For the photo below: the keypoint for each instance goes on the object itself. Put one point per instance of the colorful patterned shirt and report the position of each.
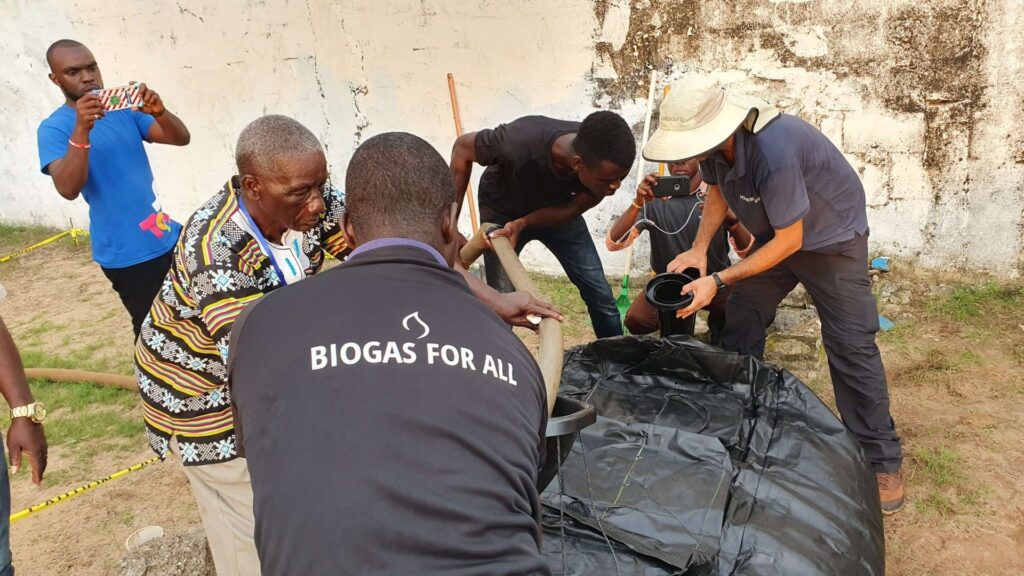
(181, 354)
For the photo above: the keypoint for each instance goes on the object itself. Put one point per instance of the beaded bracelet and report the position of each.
(77, 145)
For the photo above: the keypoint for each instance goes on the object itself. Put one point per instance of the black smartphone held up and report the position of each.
(672, 186)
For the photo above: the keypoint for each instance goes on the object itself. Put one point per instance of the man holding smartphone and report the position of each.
(806, 207)
(673, 222)
(99, 155)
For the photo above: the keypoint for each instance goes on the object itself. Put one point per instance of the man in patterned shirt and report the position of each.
(266, 228)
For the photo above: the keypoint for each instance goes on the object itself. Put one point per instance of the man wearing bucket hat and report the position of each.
(805, 206)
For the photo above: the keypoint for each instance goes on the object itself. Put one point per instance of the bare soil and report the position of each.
(956, 387)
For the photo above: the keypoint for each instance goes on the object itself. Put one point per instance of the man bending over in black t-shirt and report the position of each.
(542, 175)
(391, 421)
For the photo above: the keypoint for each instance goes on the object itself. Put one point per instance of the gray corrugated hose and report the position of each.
(551, 348)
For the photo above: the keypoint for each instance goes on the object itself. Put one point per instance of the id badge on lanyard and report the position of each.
(264, 245)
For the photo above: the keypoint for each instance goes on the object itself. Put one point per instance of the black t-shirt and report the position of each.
(519, 178)
(392, 423)
(670, 215)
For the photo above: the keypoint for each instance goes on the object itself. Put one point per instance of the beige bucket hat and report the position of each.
(699, 114)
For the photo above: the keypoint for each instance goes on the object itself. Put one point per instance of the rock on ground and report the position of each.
(183, 553)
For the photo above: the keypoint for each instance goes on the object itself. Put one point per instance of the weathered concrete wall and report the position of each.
(924, 97)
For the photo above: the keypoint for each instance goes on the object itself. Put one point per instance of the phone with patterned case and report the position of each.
(120, 98)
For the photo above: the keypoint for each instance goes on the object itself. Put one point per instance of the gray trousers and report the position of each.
(836, 278)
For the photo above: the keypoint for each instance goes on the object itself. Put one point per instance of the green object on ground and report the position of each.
(623, 302)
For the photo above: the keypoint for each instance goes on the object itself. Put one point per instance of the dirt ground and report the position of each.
(957, 393)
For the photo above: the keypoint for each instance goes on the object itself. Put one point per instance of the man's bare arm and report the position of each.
(463, 157)
(24, 436)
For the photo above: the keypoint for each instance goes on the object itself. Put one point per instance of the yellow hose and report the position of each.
(549, 358)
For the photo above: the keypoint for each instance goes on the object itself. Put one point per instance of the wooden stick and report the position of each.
(662, 167)
(640, 169)
(458, 132)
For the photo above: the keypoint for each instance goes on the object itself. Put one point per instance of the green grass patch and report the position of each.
(37, 340)
(940, 466)
(970, 301)
(85, 421)
(900, 336)
(37, 330)
(942, 486)
(972, 499)
(91, 357)
(79, 413)
(935, 504)
(971, 358)
(935, 363)
(14, 238)
(566, 297)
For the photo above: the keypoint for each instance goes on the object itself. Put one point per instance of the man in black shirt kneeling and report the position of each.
(391, 421)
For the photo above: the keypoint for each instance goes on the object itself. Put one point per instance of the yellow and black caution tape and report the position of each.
(68, 495)
(74, 233)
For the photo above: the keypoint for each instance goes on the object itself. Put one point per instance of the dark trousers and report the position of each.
(574, 248)
(836, 277)
(138, 285)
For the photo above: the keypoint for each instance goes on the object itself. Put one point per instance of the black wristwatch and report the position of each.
(718, 281)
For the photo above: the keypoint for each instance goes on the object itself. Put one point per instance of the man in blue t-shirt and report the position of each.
(99, 155)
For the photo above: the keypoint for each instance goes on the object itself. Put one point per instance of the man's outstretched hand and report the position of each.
(27, 437)
(515, 308)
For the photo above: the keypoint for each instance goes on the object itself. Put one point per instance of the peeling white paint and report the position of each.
(616, 23)
(805, 41)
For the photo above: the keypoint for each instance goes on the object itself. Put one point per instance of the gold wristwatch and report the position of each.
(35, 412)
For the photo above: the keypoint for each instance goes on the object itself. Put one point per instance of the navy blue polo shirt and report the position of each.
(788, 171)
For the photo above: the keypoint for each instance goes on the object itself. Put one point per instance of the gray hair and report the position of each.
(270, 137)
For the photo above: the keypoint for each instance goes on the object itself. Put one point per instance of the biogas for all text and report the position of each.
(428, 353)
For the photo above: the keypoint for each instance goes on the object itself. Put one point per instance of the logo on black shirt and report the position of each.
(416, 316)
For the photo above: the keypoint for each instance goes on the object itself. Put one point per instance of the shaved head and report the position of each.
(62, 43)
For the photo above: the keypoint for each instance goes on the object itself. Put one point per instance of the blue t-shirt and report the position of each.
(125, 219)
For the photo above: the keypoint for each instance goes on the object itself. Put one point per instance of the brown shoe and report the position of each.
(890, 491)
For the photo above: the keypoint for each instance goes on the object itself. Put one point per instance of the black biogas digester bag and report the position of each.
(706, 462)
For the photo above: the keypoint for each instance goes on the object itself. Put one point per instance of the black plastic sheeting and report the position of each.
(706, 462)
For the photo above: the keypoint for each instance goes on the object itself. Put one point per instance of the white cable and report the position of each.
(654, 224)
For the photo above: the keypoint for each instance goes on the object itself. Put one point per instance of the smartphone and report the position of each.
(672, 186)
(120, 97)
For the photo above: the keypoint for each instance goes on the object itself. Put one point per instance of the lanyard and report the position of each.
(259, 237)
